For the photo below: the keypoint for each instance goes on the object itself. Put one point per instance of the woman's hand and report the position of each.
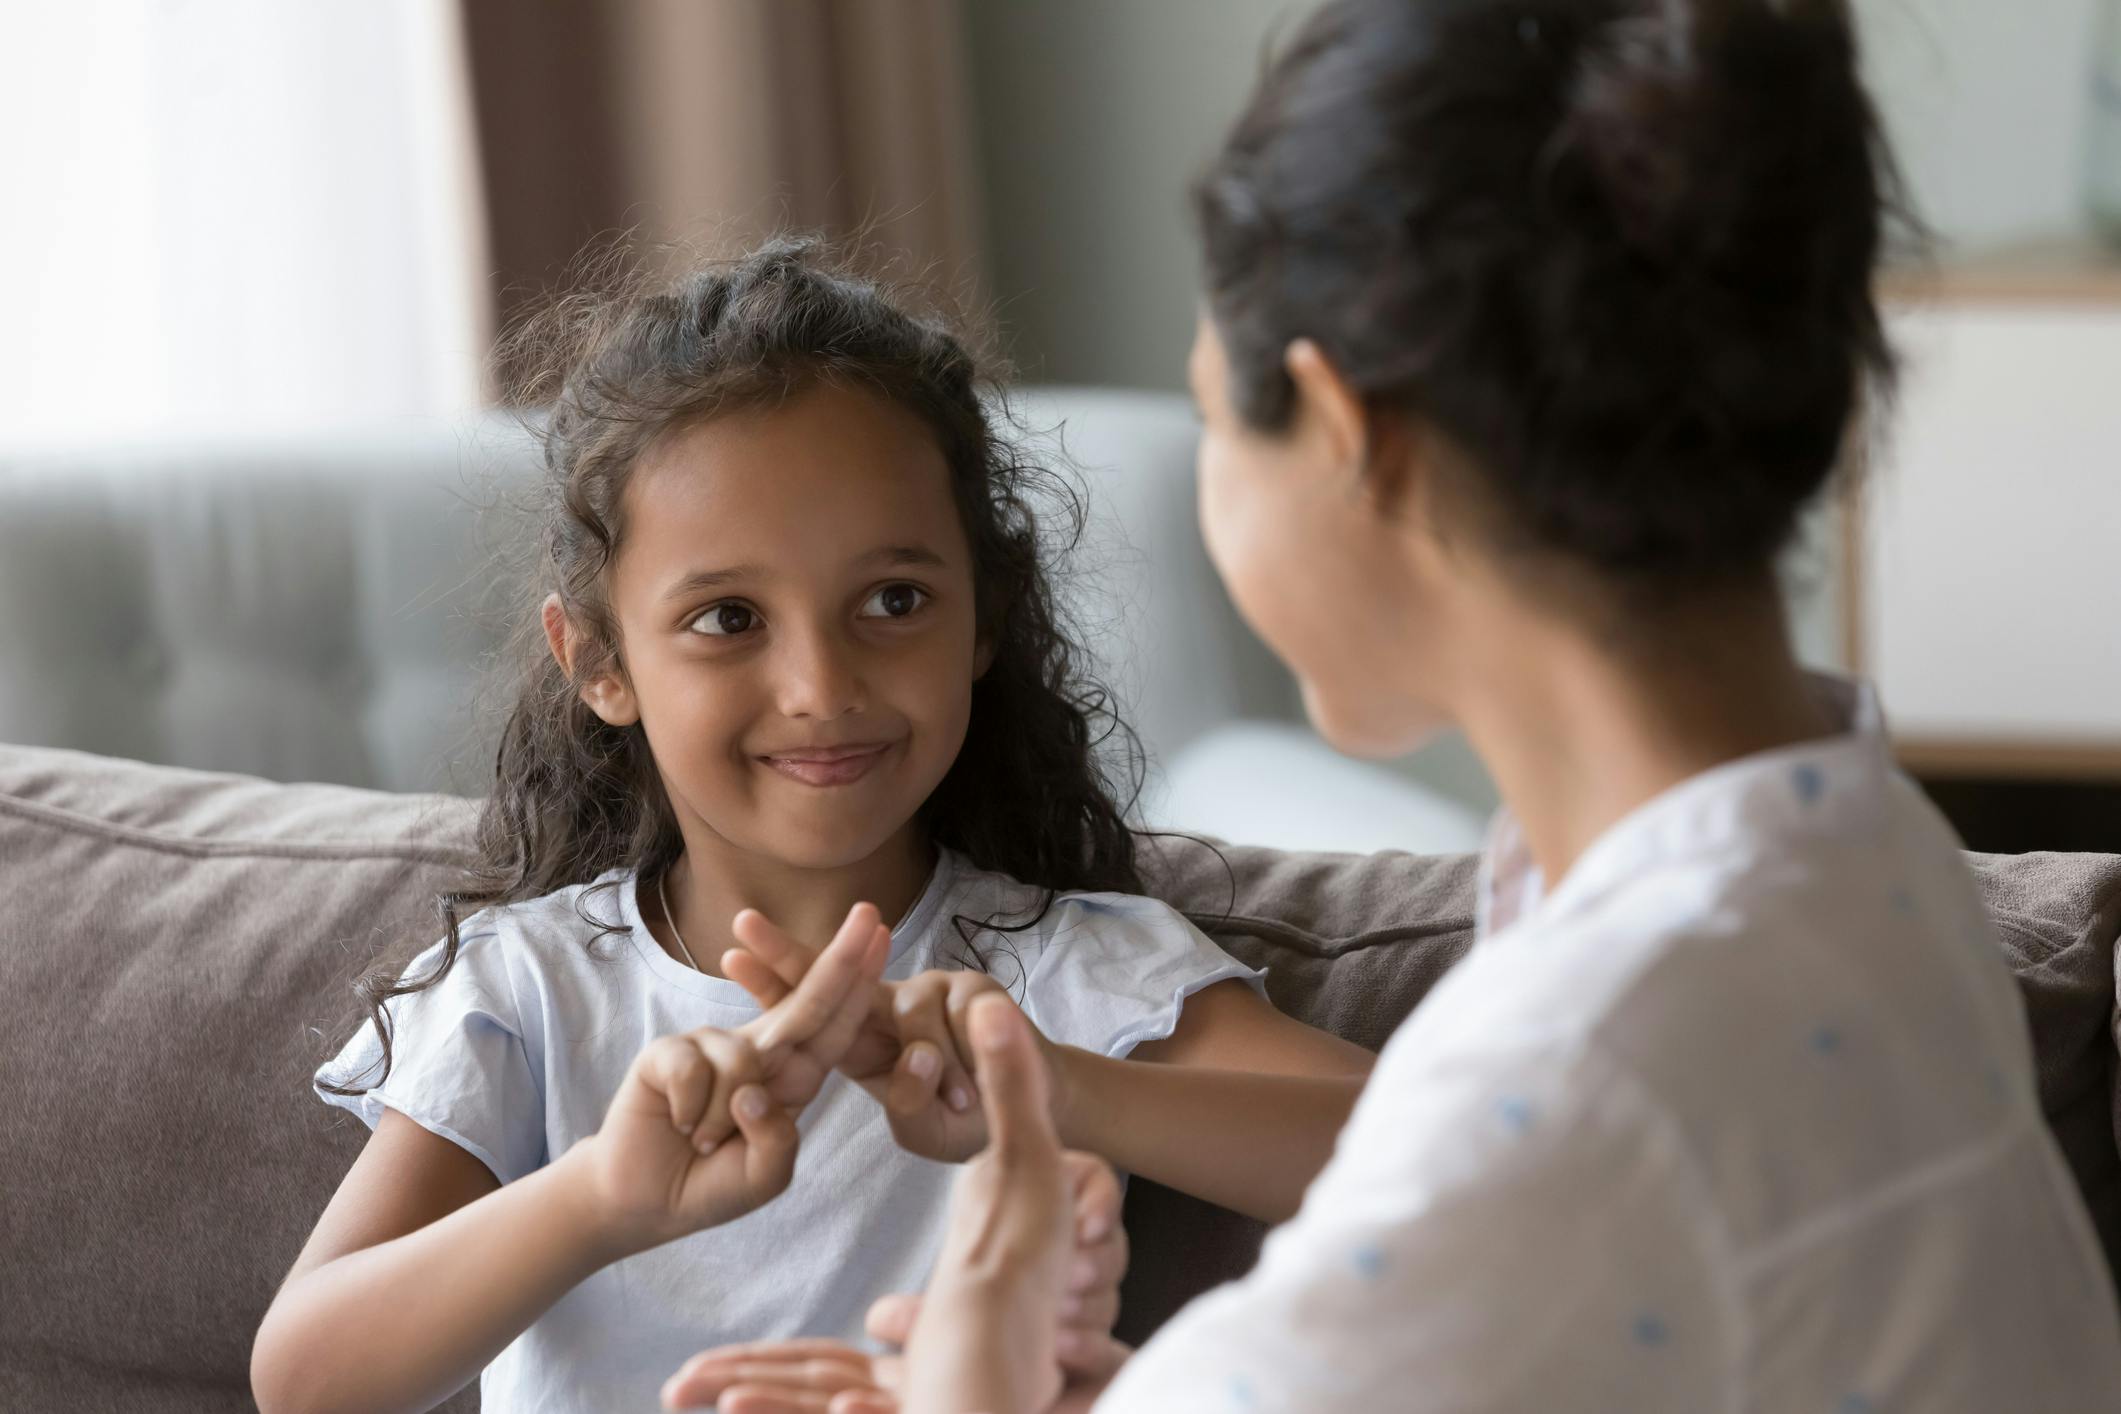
(702, 1129)
(985, 1335)
(914, 1054)
(785, 1376)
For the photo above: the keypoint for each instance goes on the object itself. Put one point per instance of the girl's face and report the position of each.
(1342, 592)
(794, 597)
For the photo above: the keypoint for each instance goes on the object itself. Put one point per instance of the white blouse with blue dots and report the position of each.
(1740, 1117)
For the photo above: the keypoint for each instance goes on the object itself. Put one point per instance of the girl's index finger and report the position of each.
(743, 967)
(851, 960)
(765, 940)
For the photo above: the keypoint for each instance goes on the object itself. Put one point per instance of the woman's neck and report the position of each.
(1579, 730)
(713, 881)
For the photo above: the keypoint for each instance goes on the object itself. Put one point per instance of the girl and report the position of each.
(1531, 327)
(800, 660)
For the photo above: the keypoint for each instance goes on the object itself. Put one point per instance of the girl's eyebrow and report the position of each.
(907, 555)
(897, 556)
(711, 579)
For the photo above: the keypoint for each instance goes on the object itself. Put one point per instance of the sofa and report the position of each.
(176, 954)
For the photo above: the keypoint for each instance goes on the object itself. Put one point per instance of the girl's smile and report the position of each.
(826, 766)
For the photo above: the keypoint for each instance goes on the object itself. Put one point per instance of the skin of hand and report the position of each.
(702, 1129)
(984, 1336)
(913, 1055)
(785, 1377)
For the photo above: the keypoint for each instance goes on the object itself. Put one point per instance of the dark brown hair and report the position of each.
(1619, 252)
(1039, 790)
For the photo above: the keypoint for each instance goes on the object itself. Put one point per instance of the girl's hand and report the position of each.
(914, 1054)
(781, 1376)
(702, 1129)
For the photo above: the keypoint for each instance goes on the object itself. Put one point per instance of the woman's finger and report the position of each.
(891, 1318)
(1093, 1311)
(1089, 1356)
(769, 1384)
(772, 1399)
(816, 1364)
(863, 1402)
(1012, 1085)
(1098, 1196)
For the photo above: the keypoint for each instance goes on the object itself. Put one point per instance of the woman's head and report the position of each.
(1578, 290)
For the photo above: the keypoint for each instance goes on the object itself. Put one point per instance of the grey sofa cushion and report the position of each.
(175, 955)
(170, 942)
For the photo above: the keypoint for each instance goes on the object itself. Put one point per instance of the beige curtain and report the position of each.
(714, 122)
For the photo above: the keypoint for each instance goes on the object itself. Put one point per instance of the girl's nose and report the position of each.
(819, 677)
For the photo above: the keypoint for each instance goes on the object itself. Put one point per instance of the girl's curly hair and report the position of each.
(1041, 787)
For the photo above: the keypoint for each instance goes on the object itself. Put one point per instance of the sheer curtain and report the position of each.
(240, 217)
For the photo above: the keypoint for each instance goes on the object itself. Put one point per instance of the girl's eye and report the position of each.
(894, 601)
(725, 620)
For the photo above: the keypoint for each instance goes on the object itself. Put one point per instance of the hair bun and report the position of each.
(1697, 119)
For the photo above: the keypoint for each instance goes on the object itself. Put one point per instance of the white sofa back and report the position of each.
(327, 611)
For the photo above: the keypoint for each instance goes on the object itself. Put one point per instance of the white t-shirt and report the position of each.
(1741, 1118)
(516, 1053)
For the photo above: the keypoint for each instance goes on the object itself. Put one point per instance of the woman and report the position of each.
(1530, 331)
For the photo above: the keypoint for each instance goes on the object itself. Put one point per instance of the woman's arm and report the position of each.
(1240, 1105)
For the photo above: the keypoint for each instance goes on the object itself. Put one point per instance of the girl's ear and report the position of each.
(982, 658)
(609, 695)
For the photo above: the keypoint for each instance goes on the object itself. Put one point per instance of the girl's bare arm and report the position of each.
(420, 1271)
(1240, 1105)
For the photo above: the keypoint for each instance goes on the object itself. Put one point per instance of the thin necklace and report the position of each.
(672, 919)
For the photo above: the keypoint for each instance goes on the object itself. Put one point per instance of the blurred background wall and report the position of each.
(1093, 114)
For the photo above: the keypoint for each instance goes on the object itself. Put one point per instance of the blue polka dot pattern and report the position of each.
(1809, 782)
(1515, 1112)
(1370, 1262)
(1826, 1041)
(1651, 1331)
(1855, 1404)
(1242, 1395)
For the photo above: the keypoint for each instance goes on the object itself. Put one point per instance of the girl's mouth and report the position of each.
(828, 765)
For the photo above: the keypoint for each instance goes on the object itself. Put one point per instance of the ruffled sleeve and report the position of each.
(459, 1065)
(1114, 970)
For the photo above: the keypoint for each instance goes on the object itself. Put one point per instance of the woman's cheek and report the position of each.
(1236, 523)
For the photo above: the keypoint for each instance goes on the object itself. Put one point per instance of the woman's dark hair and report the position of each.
(1618, 252)
(1038, 791)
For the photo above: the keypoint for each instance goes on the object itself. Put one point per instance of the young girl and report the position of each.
(800, 660)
